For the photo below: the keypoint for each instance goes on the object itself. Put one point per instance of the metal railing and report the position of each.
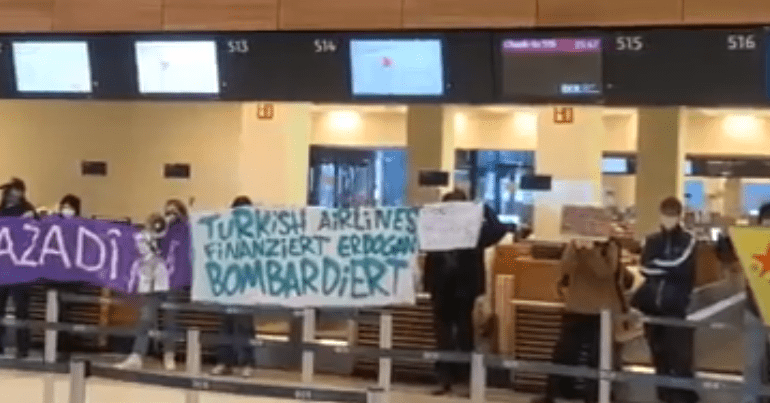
(194, 381)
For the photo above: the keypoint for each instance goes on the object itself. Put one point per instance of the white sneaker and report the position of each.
(169, 361)
(247, 372)
(133, 362)
(220, 369)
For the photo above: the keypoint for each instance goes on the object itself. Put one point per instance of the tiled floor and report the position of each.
(25, 387)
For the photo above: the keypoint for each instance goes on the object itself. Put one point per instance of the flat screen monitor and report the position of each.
(52, 67)
(397, 67)
(177, 67)
(615, 165)
(552, 67)
(535, 182)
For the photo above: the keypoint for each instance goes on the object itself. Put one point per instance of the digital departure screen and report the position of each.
(177, 67)
(685, 67)
(52, 67)
(400, 67)
(551, 67)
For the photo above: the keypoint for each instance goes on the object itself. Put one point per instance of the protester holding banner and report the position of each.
(239, 328)
(455, 280)
(668, 264)
(150, 278)
(69, 207)
(594, 279)
(14, 204)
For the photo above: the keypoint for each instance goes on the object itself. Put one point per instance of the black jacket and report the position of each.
(668, 258)
(461, 273)
(18, 210)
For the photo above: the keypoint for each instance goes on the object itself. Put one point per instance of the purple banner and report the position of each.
(562, 45)
(79, 250)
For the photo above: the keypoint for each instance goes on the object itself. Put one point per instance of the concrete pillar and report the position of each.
(274, 154)
(660, 164)
(430, 146)
(733, 198)
(572, 154)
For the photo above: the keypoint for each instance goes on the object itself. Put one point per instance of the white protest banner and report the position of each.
(305, 257)
(451, 225)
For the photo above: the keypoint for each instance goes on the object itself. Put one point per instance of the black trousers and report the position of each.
(578, 345)
(453, 319)
(21, 298)
(672, 355)
(238, 352)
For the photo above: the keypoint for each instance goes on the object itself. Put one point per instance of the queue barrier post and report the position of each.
(193, 362)
(754, 346)
(386, 343)
(49, 343)
(478, 378)
(77, 382)
(308, 336)
(375, 395)
(605, 356)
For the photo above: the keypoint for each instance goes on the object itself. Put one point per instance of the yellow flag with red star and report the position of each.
(752, 245)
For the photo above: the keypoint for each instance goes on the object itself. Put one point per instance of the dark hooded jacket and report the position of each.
(462, 272)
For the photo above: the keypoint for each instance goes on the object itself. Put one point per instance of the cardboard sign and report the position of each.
(586, 221)
(452, 225)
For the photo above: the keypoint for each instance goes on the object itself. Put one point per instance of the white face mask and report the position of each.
(669, 222)
(67, 213)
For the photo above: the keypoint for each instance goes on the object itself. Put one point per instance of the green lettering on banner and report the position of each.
(355, 280)
(214, 272)
(208, 221)
(330, 266)
(310, 274)
(291, 283)
(254, 277)
(244, 221)
(274, 277)
(232, 282)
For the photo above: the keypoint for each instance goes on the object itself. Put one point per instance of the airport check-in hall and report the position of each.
(519, 215)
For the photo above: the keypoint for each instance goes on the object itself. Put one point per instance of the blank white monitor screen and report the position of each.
(406, 67)
(52, 67)
(178, 67)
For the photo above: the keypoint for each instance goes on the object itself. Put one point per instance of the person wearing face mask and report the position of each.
(69, 207)
(169, 246)
(150, 278)
(240, 327)
(595, 279)
(456, 279)
(14, 204)
(668, 264)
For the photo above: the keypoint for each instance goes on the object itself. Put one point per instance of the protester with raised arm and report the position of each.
(455, 280)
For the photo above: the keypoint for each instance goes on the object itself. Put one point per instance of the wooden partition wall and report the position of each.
(151, 15)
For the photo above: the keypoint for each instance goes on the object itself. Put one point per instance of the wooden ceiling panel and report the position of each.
(221, 14)
(340, 14)
(107, 15)
(609, 12)
(469, 14)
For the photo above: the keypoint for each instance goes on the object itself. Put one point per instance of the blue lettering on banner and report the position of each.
(317, 256)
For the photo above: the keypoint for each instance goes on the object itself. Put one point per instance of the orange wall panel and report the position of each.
(468, 14)
(107, 15)
(221, 14)
(26, 15)
(340, 14)
(609, 12)
(723, 11)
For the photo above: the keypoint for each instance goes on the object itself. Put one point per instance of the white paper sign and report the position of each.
(451, 225)
(305, 257)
